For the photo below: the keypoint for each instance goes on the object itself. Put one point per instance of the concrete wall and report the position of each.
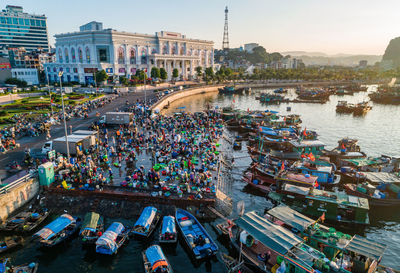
(182, 94)
(17, 197)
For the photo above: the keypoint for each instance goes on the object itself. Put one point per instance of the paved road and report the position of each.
(35, 143)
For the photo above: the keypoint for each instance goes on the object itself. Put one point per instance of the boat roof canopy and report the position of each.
(146, 218)
(91, 221)
(108, 239)
(362, 162)
(291, 217)
(381, 177)
(55, 227)
(307, 143)
(168, 225)
(366, 247)
(273, 236)
(156, 257)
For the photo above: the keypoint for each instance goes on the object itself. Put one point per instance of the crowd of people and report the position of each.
(178, 155)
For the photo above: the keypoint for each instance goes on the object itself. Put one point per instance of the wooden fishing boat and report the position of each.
(6, 267)
(10, 244)
(168, 230)
(25, 222)
(92, 228)
(257, 182)
(361, 108)
(380, 196)
(230, 90)
(337, 207)
(345, 107)
(155, 261)
(327, 239)
(147, 222)
(199, 242)
(325, 171)
(33, 221)
(237, 145)
(112, 239)
(269, 247)
(58, 231)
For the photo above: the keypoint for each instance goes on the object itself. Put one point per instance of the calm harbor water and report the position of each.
(378, 133)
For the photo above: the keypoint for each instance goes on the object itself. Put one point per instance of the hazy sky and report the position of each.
(338, 26)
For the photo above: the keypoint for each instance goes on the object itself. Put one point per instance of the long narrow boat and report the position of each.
(196, 237)
(155, 261)
(25, 222)
(11, 244)
(58, 231)
(254, 236)
(168, 230)
(6, 267)
(337, 207)
(147, 222)
(92, 228)
(114, 237)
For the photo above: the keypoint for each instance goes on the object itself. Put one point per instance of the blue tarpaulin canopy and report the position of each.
(146, 218)
(154, 254)
(55, 227)
(168, 225)
(272, 236)
(108, 239)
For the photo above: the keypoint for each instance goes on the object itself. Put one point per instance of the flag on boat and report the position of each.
(322, 217)
(305, 132)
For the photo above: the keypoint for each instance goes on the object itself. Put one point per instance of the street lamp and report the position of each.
(48, 88)
(63, 108)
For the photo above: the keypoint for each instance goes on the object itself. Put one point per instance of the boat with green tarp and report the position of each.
(92, 228)
(337, 207)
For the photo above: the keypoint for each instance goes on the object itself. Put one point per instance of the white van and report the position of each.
(47, 147)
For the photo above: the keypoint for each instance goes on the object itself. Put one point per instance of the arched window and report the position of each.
(189, 52)
(66, 55)
(173, 50)
(154, 51)
(80, 55)
(73, 57)
(165, 49)
(182, 51)
(132, 56)
(196, 52)
(144, 56)
(87, 52)
(121, 55)
(60, 56)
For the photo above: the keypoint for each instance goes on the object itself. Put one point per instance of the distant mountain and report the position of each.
(392, 52)
(319, 58)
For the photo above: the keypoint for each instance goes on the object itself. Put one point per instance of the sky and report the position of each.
(332, 27)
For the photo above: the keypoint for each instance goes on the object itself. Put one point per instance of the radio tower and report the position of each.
(225, 42)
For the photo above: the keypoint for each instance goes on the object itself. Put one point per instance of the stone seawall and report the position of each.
(17, 197)
(183, 94)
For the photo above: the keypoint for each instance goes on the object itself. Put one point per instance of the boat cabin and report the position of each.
(336, 206)
(111, 240)
(316, 147)
(155, 261)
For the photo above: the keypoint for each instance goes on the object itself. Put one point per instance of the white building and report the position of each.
(30, 75)
(80, 54)
(249, 47)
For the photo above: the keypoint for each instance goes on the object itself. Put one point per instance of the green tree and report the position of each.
(123, 80)
(101, 76)
(141, 75)
(209, 73)
(163, 73)
(199, 71)
(175, 73)
(155, 73)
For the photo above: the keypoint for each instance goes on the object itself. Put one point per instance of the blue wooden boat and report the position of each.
(168, 230)
(154, 260)
(196, 237)
(24, 268)
(147, 222)
(58, 231)
(114, 237)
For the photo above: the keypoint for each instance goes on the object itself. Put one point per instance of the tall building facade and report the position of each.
(80, 54)
(20, 29)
